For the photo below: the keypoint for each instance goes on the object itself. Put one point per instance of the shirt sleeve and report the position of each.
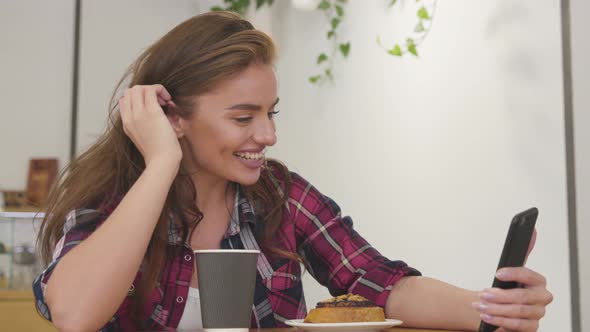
(335, 254)
(78, 226)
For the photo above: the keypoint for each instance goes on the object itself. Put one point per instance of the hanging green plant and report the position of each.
(425, 15)
(334, 11)
(240, 6)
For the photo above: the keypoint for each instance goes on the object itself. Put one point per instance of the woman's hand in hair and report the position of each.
(146, 124)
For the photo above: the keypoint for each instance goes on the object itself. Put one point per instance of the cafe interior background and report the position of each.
(431, 154)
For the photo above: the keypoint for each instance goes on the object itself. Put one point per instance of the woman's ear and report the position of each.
(176, 123)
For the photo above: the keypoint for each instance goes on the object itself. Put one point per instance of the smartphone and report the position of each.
(514, 252)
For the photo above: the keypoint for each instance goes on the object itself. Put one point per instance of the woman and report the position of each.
(182, 168)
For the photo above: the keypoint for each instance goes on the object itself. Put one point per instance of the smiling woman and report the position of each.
(230, 143)
(183, 167)
(202, 133)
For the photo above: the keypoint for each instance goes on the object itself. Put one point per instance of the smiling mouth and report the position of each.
(249, 155)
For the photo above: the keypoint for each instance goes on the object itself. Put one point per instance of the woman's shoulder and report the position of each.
(299, 189)
(286, 177)
(90, 216)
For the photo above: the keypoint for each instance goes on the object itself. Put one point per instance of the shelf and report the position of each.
(16, 295)
(22, 214)
(18, 313)
(19, 263)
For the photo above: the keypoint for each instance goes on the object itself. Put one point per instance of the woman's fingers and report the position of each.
(517, 309)
(146, 125)
(531, 244)
(162, 95)
(137, 98)
(161, 101)
(124, 103)
(162, 92)
(510, 310)
(124, 109)
(522, 275)
(512, 324)
(534, 295)
(140, 97)
(156, 95)
(151, 99)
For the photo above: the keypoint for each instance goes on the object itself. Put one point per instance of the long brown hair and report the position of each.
(189, 60)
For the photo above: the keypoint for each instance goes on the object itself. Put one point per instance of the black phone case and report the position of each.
(514, 252)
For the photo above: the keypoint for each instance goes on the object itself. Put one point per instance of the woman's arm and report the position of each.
(426, 302)
(90, 282)
(430, 303)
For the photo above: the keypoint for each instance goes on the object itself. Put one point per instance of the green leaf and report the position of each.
(423, 14)
(238, 6)
(216, 8)
(339, 10)
(345, 49)
(260, 3)
(322, 57)
(328, 73)
(335, 21)
(239, 10)
(315, 79)
(411, 46)
(412, 49)
(419, 27)
(331, 34)
(325, 4)
(392, 2)
(396, 50)
(343, 1)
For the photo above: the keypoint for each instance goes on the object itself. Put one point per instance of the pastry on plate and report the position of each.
(345, 309)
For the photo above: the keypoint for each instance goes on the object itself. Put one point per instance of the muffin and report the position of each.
(345, 309)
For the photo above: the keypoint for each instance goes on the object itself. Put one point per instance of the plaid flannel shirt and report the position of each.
(336, 256)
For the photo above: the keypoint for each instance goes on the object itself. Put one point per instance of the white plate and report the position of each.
(361, 326)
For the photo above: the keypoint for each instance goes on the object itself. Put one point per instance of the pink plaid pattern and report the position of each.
(336, 256)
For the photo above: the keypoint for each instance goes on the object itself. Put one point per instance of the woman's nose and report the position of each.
(266, 133)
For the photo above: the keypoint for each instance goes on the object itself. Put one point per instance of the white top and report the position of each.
(191, 316)
(237, 251)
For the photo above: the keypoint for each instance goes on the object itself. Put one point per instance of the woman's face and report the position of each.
(232, 126)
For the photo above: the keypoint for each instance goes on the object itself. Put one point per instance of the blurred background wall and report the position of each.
(581, 106)
(431, 156)
(36, 64)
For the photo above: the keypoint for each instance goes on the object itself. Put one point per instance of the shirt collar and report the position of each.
(243, 212)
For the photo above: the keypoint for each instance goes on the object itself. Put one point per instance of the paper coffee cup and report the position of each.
(227, 278)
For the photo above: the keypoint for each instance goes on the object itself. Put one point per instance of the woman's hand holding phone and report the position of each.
(516, 309)
(145, 123)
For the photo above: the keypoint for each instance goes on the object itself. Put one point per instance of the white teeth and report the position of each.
(250, 156)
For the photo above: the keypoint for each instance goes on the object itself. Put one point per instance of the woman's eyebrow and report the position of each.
(250, 107)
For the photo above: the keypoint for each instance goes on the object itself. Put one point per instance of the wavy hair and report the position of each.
(190, 60)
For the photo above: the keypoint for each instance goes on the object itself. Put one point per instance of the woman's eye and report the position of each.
(243, 119)
(272, 114)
